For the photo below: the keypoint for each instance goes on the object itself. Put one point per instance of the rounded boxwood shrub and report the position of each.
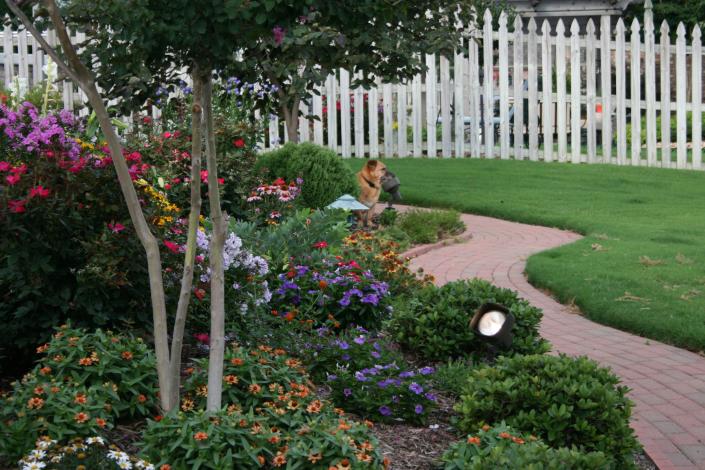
(435, 322)
(503, 447)
(325, 176)
(565, 401)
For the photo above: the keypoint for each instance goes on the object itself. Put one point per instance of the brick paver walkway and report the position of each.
(668, 383)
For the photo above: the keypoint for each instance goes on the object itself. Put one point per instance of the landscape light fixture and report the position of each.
(347, 202)
(494, 322)
(390, 184)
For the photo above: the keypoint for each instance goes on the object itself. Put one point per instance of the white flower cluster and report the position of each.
(36, 460)
(234, 256)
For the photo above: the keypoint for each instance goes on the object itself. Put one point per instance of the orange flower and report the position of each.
(127, 355)
(386, 462)
(157, 418)
(293, 405)
(368, 423)
(236, 361)
(261, 460)
(189, 370)
(58, 358)
(264, 348)
(474, 440)
(343, 426)
(289, 316)
(263, 361)
(38, 390)
(343, 465)
(80, 399)
(322, 284)
(81, 417)
(292, 363)
(85, 361)
(54, 389)
(278, 460)
(363, 457)
(100, 422)
(141, 398)
(200, 436)
(486, 427)
(339, 411)
(279, 352)
(313, 458)
(255, 389)
(114, 340)
(187, 404)
(314, 407)
(231, 379)
(273, 440)
(166, 466)
(42, 348)
(504, 435)
(518, 440)
(45, 370)
(35, 403)
(366, 446)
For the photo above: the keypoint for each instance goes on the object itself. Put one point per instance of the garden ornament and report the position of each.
(494, 322)
(390, 184)
(347, 202)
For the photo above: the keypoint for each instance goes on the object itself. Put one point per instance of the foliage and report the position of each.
(689, 12)
(503, 447)
(381, 256)
(233, 440)
(430, 226)
(294, 236)
(673, 128)
(388, 218)
(369, 378)
(334, 290)
(452, 375)
(91, 452)
(326, 177)
(67, 250)
(436, 321)
(564, 401)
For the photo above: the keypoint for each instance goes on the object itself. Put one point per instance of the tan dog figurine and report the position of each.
(370, 181)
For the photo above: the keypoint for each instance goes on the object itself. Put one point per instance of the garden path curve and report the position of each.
(668, 383)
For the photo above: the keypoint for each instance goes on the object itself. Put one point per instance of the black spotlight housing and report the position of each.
(493, 323)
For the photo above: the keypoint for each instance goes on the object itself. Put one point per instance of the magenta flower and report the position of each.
(279, 34)
(116, 227)
(39, 191)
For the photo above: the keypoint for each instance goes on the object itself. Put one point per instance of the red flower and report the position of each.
(116, 227)
(279, 182)
(204, 176)
(4, 166)
(199, 293)
(221, 180)
(12, 179)
(167, 135)
(173, 247)
(19, 170)
(147, 120)
(239, 143)
(320, 245)
(202, 338)
(40, 191)
(17, 206)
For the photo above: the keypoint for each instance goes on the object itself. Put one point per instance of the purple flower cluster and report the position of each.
(28, 132)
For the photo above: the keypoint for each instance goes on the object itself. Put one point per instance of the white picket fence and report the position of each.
(525, 91)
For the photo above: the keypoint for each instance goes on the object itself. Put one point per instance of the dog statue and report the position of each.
(370, 181)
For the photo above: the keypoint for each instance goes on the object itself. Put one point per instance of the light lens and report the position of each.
(491, 322)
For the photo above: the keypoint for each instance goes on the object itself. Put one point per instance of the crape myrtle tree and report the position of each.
(383, 39)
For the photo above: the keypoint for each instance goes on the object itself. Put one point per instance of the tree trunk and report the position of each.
(217, 336)
(291, 118)
(84, 78)
(193, 220)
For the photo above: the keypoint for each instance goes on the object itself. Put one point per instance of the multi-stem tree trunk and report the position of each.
(291, 119)
(193, 220)
(217, 335)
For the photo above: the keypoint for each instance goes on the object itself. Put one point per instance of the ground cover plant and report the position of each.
(564, 401)
(503, 447)
(628, 216)
(435, 322)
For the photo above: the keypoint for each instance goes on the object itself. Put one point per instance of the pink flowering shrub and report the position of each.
(67, 249)
(269, 203)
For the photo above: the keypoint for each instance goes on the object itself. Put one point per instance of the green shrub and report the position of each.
(231, 440)
(503, 447)
(388, 218)
(325, 176)
(430, 226)
(564, 401)
(89, 453)
(435, 322)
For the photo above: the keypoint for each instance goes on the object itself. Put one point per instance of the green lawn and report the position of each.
(641, 266)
